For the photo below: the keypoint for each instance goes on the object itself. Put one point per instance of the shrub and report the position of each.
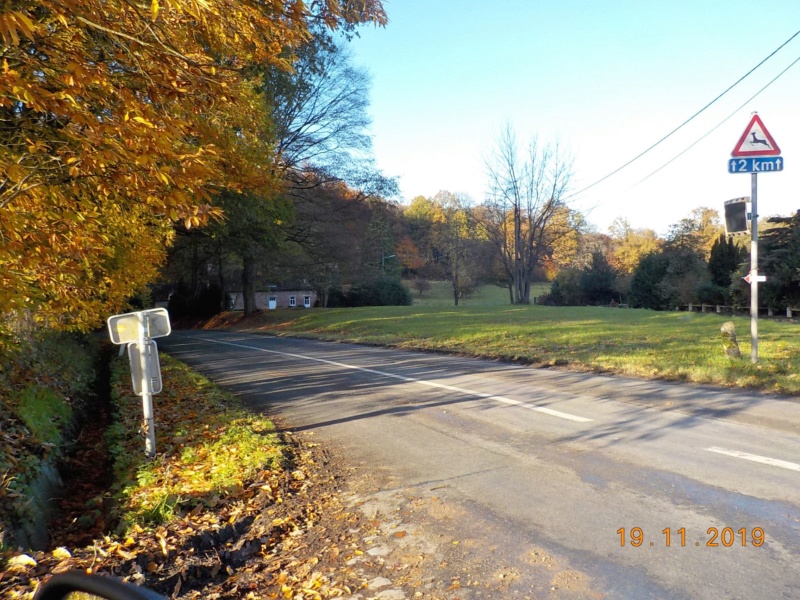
(336, 298)
(709, 293)
(381, 292)
(566, 289)
(421, 285)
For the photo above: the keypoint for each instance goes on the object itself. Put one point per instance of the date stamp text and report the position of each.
(714, 537)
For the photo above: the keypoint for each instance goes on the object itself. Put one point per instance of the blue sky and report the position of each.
(604, 79)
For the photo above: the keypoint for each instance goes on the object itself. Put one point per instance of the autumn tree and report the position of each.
(455, 234)
(527, 192)
(409, 255)
(319, 126)
(118, 117)
(697, 232)
(319, 114)
(630, 245)
(569, 243)
(329, 229)
(422, 219)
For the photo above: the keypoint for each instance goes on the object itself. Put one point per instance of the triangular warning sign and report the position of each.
(756, 141)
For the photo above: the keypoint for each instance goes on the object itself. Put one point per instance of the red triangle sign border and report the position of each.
(774, 151)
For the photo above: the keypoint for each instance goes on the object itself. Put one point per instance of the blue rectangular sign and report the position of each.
(755, 164)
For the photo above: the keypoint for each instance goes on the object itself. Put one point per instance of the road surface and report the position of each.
(625, 488)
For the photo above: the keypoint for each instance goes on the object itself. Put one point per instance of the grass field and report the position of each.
(441, 294)
(641, 343)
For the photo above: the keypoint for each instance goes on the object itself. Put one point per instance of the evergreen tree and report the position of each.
(779, 249)
(597, 280)
(646, 284)
(724, 260)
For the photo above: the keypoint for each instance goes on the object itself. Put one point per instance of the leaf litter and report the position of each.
(279, 532)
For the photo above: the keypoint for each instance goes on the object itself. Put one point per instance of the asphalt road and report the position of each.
(595, 471)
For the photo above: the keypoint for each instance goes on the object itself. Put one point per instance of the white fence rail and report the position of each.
(790, 311)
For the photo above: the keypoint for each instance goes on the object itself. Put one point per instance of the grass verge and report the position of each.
(639, 343)
(208, 447)
(441, 294)
(224, 510)
(46, 382)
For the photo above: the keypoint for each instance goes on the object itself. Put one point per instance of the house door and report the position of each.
(273, 302)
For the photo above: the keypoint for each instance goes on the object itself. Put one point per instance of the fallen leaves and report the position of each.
(275, 534)
(21, 561)
(241, 545)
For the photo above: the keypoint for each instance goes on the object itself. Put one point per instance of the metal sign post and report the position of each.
(754, 268)
(755, 152)
(146, 385)
(137, 330)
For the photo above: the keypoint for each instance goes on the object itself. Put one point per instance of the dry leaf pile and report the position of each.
(285, 535)
(276, 532)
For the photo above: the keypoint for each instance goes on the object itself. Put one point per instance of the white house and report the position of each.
(273, 300)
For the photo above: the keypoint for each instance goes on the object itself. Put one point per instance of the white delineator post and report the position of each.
(148, 425)
(136, 330)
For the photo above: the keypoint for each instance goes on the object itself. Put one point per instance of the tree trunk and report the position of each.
(322, 294)
(223, 296)
(194, 268)
(526, 288)
(249, 284)
(518, 266)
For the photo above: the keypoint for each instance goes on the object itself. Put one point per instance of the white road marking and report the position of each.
(433, 384)
(764, 460)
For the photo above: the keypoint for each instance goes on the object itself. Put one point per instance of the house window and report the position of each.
(307, 301)
(292, 300)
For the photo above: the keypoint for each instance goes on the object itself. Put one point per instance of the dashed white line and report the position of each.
(433, 384)
(764, 460)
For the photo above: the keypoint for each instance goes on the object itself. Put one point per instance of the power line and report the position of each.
(718, 125)
(638, 156)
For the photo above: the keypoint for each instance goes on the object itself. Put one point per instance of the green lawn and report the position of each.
(441, 294)
(641, 343)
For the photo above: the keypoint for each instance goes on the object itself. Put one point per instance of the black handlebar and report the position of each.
(110, 588)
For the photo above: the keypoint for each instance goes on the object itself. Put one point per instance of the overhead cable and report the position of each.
(718, 125)
(638, 156)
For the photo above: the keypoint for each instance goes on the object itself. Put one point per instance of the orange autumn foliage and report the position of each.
(119, 117)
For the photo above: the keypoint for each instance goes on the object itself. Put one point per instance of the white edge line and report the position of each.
(433, 384)
(764, 460)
